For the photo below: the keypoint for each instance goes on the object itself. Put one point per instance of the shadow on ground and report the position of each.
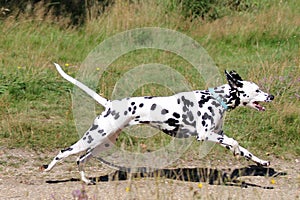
(226, 177)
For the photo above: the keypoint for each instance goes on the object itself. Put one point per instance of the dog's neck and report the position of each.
(228, 95)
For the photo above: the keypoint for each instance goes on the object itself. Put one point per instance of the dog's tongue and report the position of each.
(259, 107)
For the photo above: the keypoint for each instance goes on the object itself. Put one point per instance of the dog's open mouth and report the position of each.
(257, 106)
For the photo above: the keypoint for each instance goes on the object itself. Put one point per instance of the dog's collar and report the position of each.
(218, 98)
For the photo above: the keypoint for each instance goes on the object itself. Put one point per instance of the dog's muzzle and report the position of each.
(270, 98)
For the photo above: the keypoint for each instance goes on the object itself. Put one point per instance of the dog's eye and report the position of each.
(258, 91)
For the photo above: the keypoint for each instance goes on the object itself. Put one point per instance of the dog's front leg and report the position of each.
(234, 147)
(248, 155)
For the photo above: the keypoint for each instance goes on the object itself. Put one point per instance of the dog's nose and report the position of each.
(271, 97)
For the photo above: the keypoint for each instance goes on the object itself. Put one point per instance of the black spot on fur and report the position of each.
(178, 101)
(94, 127)
(172, 132)
(215, 103)
(107, 113)
(220, 139)
(141, 105)
(221, 112)
(190, 115)
(187, 102)
(204, 99)
(67, 149)
(80, 157)
(90, 139)
(100, 131)
(176, 115)
(187, 122)
(148, 97)
(218, 91)
(164, 111)
(199, 113)
(117, 116)
(211, 110)
(145, 122)
(132, 103)
(153, 106)
(235, 75)
(125, 112)
(172, 122)
(45, 166)
(185, 109)
(234, 99)
(208, 117)
(205, 92)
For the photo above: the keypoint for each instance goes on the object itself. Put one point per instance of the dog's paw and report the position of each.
(236, 152)
(264, 163)
(88, 181)
(236, 155)
(43, 168)
(91, 182)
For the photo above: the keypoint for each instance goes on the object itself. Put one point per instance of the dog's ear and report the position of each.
(235, 75)
(233, 79)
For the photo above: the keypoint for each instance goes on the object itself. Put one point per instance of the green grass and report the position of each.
(263, 46)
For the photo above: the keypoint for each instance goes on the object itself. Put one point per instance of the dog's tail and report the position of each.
(86, 89)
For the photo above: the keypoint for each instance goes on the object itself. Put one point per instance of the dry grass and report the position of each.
(276, 20)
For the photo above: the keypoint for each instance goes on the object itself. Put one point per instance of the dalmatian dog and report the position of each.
(196, 114)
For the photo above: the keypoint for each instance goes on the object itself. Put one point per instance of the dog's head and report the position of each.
(247, 93)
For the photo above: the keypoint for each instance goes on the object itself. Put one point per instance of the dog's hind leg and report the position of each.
(81, 162)
(74, 149)
(105, 145)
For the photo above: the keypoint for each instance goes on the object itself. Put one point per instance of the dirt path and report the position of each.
(20, 178)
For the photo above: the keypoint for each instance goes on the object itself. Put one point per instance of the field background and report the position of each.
(259, 39)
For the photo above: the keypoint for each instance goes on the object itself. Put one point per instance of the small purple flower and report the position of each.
(281, 78)
(52, 196)
(80, 194)
(76, 193)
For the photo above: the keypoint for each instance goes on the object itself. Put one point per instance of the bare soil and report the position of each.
(209, 178)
